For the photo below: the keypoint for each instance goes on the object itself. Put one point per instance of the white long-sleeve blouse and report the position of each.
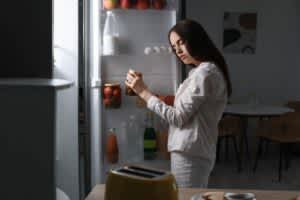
(198, 106)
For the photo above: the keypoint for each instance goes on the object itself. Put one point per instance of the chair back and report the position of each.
(294, 105)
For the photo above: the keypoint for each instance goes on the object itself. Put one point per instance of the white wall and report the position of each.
(273, 72)
(66, 67)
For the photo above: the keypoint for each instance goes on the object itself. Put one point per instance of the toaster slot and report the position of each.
(157, 173)
(135, 173)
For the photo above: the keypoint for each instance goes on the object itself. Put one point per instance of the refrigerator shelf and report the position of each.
(134, 10)
(140, 54)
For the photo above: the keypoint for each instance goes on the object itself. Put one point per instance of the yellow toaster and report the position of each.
(140, 183)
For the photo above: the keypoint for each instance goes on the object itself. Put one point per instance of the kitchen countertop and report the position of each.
(185, 194)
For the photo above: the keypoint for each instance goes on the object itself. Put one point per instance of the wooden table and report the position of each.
(185, 194)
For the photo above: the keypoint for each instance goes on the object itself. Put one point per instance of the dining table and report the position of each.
(98, 193)
(246, 111)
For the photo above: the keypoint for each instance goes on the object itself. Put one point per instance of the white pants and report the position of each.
(190, 171)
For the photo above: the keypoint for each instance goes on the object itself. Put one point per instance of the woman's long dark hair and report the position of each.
(201, 47)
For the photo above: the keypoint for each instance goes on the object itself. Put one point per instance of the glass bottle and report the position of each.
(110, 35)
(150, 145)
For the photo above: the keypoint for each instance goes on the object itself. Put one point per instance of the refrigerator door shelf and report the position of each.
(134, 10)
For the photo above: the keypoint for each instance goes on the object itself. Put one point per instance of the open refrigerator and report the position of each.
(142, 44)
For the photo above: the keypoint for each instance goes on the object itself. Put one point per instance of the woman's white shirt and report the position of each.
(198, 106)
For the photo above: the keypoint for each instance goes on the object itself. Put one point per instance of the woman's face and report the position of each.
(180, 49)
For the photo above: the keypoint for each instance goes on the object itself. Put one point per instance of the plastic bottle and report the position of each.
(110, 35)
(150, 145)
(135, 140)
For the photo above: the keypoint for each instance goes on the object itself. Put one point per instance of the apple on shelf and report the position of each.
(159, 4)
(126, 4)
(110, 4)
(143, 4)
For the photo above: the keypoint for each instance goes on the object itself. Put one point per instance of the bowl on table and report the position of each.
(239, 196)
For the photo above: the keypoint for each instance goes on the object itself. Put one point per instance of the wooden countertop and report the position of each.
(185, 194)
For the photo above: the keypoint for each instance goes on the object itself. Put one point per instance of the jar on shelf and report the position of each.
(128, 90)
(112, 95)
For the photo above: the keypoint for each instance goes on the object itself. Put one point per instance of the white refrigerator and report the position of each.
(142, 44)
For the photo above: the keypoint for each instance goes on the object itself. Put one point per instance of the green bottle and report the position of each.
(150, 145)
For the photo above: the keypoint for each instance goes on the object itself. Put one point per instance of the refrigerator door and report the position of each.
(93, 87)
(138, 30)
(65, 44)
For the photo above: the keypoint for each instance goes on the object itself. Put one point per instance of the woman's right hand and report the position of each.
(135, 81)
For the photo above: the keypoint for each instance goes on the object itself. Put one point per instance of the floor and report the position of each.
(265, 177)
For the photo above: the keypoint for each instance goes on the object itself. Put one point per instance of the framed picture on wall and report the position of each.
(239, 32)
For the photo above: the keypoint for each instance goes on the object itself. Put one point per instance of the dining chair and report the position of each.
(229, 128)
(284, 131)
(294, 105)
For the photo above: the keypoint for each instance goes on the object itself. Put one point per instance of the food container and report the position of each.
(112, 95)
(128, 90)
(239, 196)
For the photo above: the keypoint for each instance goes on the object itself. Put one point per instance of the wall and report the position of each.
(65, 39)
(273, 72)
(26, 38)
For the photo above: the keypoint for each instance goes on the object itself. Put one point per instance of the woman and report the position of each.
(198, 106)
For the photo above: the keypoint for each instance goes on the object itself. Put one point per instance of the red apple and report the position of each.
(158, 4)
(142, 4)
(125, 4)
(110, 4)
(116, 92)
(107, 92)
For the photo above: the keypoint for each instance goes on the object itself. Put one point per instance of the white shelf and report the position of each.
(139, 55)
(133, 10)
